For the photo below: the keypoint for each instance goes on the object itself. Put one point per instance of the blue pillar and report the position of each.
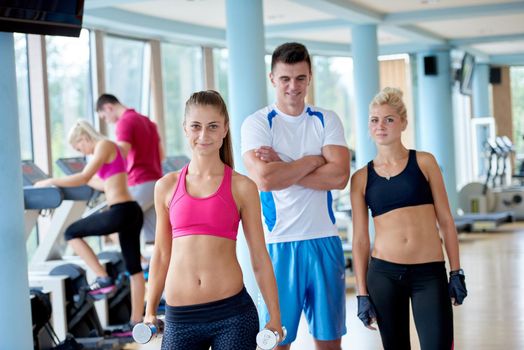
(366, 83)
(247, 68)
(481, 91)
(15, 314)
(435, 131)
(247, 90)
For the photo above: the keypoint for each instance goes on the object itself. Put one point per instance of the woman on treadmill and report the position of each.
(198, 213)
(405, 192)
(105, 171)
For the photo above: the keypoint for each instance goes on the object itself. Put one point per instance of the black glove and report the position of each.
(457, 286)
(366, 310)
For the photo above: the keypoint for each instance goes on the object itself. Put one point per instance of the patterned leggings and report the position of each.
(231, 323)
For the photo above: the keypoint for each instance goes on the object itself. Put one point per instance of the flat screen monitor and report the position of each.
(44, 17)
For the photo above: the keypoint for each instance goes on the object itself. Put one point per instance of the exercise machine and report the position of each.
(82, 317)
(478, 201)
(74, 203)
(509, 196)
(36, 201)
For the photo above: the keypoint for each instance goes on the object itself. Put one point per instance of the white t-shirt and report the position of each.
(295, 213)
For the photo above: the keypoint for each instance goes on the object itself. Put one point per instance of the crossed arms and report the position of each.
(323, 172)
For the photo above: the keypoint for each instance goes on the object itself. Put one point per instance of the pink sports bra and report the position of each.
(215, 215)
(117, 166)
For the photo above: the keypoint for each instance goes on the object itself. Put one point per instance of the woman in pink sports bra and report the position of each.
(124, 215)
(194, 259)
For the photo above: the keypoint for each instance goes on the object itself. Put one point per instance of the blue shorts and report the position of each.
(310, 276)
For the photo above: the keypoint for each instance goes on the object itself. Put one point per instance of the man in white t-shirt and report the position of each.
(297, 154)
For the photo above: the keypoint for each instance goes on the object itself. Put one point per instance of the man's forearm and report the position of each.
(327, 177)
(279, 175)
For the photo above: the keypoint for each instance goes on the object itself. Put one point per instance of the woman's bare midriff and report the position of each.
(203, 268)
(116, 190)
(408, 236)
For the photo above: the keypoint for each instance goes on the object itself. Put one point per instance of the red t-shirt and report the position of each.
(143, 159)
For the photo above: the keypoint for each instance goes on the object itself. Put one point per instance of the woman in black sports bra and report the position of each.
(405, 192)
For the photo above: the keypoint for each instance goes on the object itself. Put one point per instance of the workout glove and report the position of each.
(457, 286)
(366, 310)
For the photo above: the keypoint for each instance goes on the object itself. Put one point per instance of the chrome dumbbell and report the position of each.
(268, 339)
(144, 332)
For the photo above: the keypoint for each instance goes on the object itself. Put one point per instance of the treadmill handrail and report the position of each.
(38, 198)
(77, 193)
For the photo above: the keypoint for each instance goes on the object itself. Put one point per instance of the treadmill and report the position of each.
(74, 203)
(49, 253)
(37, 199)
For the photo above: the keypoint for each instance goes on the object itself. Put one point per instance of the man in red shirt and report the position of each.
(138, 138)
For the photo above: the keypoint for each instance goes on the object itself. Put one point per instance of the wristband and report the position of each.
(459, 272)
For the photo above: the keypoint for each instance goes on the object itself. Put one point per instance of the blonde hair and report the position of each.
(391, 97)
(213, 98)
(83, 129)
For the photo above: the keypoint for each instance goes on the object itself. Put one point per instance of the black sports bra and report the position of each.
(409, 188)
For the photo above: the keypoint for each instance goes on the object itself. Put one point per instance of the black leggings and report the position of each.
(126, 219)
(390, 288)
(226, 324)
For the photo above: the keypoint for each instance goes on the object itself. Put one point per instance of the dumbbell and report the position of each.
(144, 332)
(268, 339)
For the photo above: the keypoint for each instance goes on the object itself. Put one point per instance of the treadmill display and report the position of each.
(72, 165)
(31, 173)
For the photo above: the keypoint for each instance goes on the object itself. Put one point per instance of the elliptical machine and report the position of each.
(479, 201)
(509, 196)
(476, 197)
